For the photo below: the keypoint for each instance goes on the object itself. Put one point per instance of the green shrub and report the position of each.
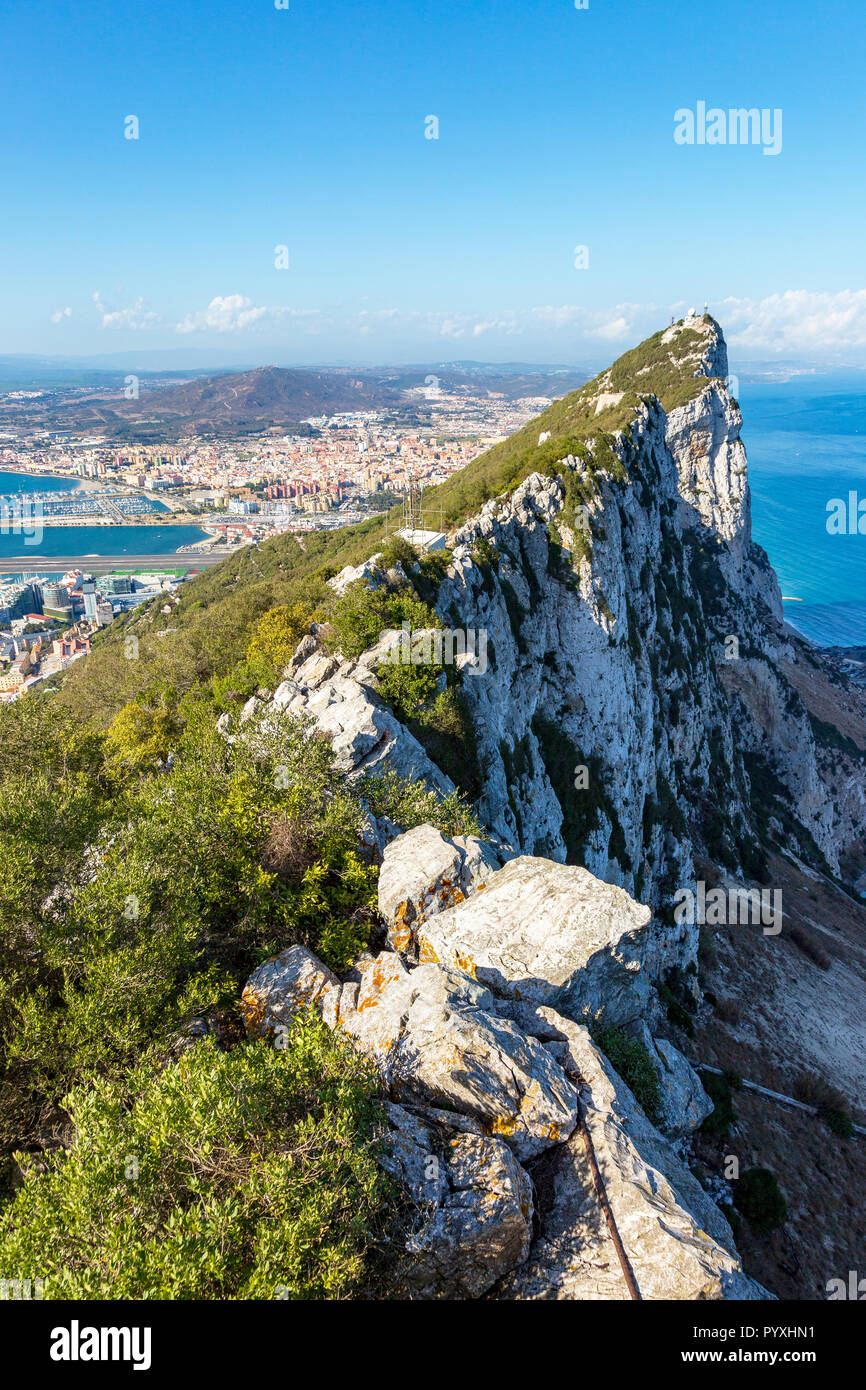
(723, 1115)
(631, 1060)
(129, 907)
(236, 686)
(428, 574)
(409, 804)
(676, 1012)
(809, 943)
(397, 551)
(363, 614)
(830, 1103)
(445, 730)
(486, 557)
(274, 638)
(758, 1196)
(406, 685)
(248, 1174)
(839, 1121)
(143, 733)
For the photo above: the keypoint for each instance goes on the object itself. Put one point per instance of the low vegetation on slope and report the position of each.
(242, 1174)
(145, 877)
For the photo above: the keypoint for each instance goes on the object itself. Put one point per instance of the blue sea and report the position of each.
(11, 483)
(83, 541)
(806, 444)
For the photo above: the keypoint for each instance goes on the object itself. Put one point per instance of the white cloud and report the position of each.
(60, 314)
(507, 325)
(801, 323)
(455, 326)
(231, 313)
(797, 322)
(613, 325)
(613, 330)
(225, 314)
(134, 317)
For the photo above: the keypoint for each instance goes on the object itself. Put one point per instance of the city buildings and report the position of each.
(345, 466)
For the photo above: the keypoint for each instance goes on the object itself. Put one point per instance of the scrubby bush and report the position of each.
(676, 1010)
(407, 685)
(427, 575)
(143, 733)
(445, 729)
(630, 1058)
(249, 1174)
(708, 955)
(839, 1122)
(409, 804)
(397, 551)
(129, 906)
(364, 613)
(810, 946)
(831, 1104)
(274, 638)
(728, 1010)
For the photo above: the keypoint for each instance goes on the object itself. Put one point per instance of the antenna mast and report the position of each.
(412, 507)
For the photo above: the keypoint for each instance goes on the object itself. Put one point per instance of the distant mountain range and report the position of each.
(265, 398)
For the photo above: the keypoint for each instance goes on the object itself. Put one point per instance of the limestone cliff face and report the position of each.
(648, 650)
(642, 702)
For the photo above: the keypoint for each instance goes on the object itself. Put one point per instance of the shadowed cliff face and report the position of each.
(638, 708)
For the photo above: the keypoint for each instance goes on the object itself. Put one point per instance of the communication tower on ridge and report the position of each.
(412, 508)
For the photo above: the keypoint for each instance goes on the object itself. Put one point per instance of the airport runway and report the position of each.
(108, 564)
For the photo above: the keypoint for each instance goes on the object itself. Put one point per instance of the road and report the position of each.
(108, 564)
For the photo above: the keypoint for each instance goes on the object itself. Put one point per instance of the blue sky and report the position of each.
(305, 127)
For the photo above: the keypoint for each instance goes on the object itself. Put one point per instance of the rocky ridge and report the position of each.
(642, 715)
(491, 1093)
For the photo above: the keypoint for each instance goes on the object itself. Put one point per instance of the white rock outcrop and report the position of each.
(551, 934)
(480, 1086)
(677, 1243)
(424, 873)
(366, 736)
(350, 574)
(281, 988)
(436, 1037)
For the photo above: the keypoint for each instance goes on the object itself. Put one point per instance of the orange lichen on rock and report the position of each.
(401, 931)
(386, 968)
(465, 963)
(253, 1011)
